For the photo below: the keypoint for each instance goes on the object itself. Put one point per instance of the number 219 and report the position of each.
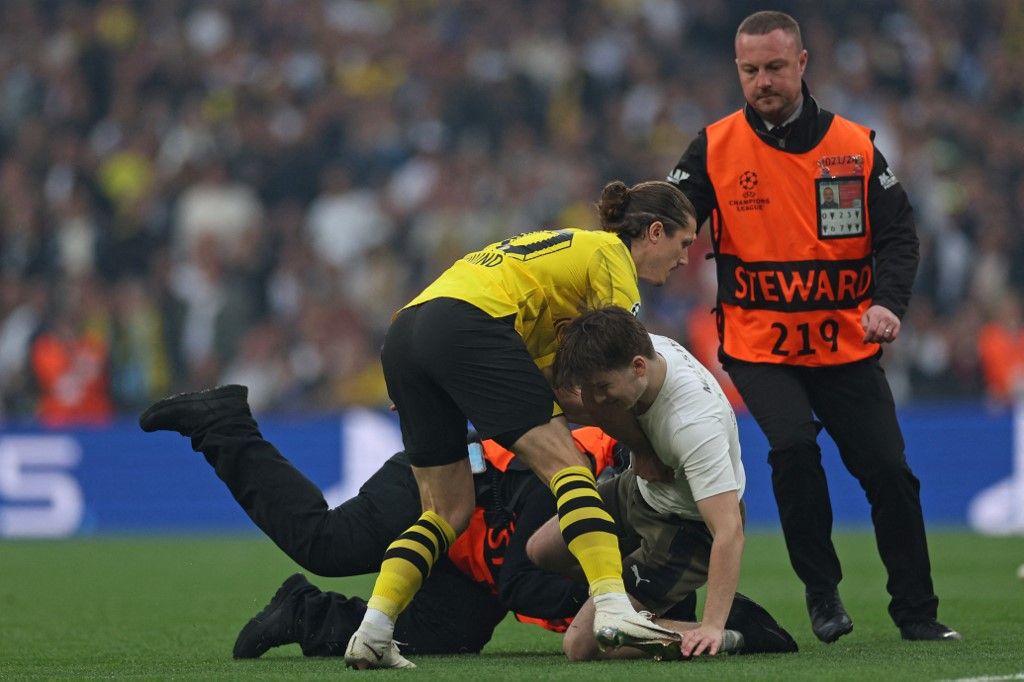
(828, 330)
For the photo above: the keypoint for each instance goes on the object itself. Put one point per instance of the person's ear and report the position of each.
(656, 230)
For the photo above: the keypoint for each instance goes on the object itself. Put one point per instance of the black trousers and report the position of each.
(855, 406)
(450, 614)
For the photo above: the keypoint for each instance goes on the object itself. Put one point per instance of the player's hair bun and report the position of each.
(613, 203)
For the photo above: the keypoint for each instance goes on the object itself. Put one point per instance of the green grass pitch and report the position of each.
(162, 608)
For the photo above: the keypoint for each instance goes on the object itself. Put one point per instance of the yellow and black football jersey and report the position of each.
(545, 279)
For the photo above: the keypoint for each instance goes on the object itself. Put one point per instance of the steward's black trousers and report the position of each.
(855, 405)
(450, 614)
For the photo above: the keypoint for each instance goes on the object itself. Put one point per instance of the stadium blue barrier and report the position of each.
(121, 480)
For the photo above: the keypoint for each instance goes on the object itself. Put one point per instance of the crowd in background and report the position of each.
(194, 193)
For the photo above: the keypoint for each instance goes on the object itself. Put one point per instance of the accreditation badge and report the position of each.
(840, 202)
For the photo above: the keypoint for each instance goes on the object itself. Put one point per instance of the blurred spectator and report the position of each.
(227, 212)
(23, 305)
(261, 365)
(344, 221)
(71, 363)
(141, 367)
(1001, 348)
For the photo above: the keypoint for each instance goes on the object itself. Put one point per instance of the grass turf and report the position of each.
(171, 607)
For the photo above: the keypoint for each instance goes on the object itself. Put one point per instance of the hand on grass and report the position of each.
(706, 639)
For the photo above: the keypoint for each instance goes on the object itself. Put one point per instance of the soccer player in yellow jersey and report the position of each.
(478, 344)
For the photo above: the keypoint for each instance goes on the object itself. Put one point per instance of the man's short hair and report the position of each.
(763, 23)
(598, 341)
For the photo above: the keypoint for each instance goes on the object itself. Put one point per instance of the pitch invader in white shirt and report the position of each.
(679, 504)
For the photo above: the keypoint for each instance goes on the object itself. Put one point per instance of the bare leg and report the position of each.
(587, 528)
(448, 491)
(589, 533)
(548, 449)
(579, 643)
(546, 548)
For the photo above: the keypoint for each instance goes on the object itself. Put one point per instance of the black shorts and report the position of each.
(446, 361)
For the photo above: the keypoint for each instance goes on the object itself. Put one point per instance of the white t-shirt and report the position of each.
(693, 429)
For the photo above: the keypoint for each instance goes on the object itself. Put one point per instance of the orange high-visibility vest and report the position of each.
(792, 240)
(480, 549)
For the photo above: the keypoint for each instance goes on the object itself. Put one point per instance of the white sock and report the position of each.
(378, 625)
(613, 601)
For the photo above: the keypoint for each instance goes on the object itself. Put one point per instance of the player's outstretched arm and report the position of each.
(721, 513)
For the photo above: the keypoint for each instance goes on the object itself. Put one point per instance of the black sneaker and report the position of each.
(187, 413)
(273, 626)
(761, 633)
(928, 630)
(829, 619)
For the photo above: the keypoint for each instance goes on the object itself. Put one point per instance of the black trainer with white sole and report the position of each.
(929, 630)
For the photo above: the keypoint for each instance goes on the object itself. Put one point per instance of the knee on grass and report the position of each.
(579, 645)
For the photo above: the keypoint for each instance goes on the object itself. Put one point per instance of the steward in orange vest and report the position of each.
(816, 251)
(794, 292)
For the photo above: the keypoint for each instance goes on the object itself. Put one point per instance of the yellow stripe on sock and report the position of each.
(579, 492)
(575, 472)
(584, 514)
(607, 586)
(588, 529)
(407, 563)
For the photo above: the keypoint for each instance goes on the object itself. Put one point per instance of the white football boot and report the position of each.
(618, 624)
(364, 653)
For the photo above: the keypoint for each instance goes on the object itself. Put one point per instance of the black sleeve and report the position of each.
(691, 175)
(893, 237)
(522, 586)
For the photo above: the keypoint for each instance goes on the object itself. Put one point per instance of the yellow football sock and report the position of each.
(407, 562)
(588, 529)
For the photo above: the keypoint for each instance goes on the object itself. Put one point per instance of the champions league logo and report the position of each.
(749, 201)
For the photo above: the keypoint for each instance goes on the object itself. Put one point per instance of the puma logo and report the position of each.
(636, 572)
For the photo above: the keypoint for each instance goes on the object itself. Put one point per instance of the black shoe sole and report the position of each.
(950, 638)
